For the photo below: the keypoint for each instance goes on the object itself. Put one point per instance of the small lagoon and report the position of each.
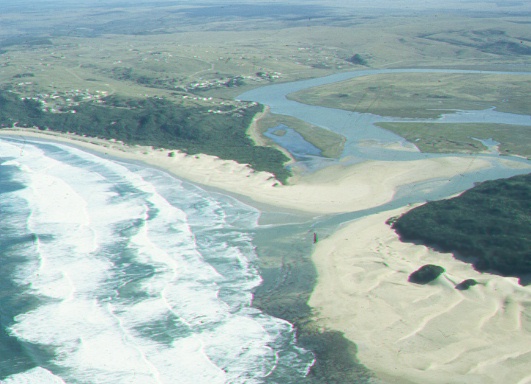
(290, 139)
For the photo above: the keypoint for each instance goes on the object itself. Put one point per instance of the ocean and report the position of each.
(113, 272)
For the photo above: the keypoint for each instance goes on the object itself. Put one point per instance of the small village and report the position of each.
(61, 102)
(230, 82)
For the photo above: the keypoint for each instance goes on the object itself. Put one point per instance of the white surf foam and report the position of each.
(34, 376)
(139, 282)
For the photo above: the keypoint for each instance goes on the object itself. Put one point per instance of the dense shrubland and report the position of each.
(489, 225)
(153, 122)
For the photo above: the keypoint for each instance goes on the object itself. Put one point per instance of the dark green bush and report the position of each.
(465, 284)
(426, 274)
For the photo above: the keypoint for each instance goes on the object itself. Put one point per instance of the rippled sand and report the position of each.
(420, 333)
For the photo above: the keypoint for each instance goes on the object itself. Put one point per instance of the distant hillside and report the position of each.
(489, 225)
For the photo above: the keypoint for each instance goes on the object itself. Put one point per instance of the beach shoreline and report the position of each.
(334, 190)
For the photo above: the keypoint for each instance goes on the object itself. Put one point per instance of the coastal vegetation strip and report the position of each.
(152, 122)
(488, 226)
(464, 137)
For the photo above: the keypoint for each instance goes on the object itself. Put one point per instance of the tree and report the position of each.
(357, 59)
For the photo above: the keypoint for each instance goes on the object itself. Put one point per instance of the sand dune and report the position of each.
(421, 334)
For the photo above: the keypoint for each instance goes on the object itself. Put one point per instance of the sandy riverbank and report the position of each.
(331, 190)
(408, 333)
(253, 132)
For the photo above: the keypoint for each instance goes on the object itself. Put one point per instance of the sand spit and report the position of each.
(332, 190)
(414, 333)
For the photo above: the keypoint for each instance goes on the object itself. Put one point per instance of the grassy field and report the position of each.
(196, 59)
(459, 138)
(423, 95)
(166, 50)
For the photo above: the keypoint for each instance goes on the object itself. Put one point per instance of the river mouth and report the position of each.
(364, 142)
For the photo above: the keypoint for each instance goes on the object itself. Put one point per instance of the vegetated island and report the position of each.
(429, 96)
(488, 225)
(153, 122)
(464, 137)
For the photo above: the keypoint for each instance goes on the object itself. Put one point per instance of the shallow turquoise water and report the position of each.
(116, 273)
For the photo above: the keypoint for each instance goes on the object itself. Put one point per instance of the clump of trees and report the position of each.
(357, 59)
(489, 225)
(465, 284)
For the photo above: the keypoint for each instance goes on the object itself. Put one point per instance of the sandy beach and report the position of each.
(404, 332)
(334, 189)
(410, 333)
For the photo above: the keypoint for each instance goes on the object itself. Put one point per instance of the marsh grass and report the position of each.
(423, 95)
(460, 138)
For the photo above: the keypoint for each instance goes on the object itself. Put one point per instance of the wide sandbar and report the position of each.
(334, 189)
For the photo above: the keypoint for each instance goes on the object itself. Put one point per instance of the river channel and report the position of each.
(365, 141)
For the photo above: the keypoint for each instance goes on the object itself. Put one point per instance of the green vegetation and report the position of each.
(357, 59)
(423, 95)
(490, 40)
(426, 274)
(489, 225)
(459, 138)
(23, 75)
(29, 41)
(466, 284)
(154, 122)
